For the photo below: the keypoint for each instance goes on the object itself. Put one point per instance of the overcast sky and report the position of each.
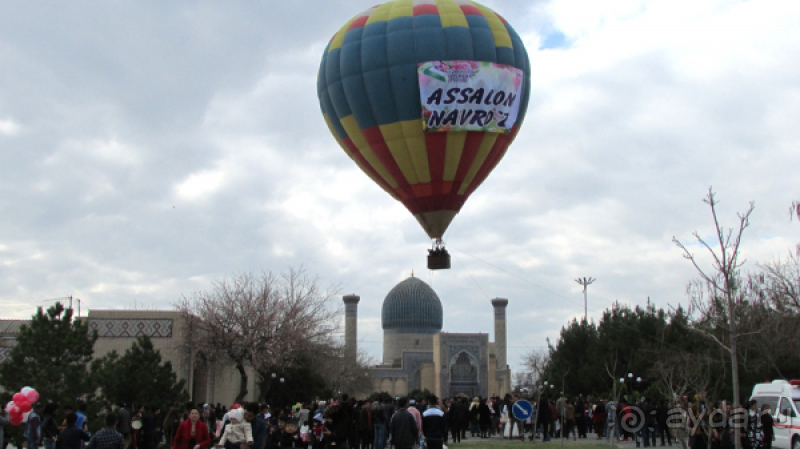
(150, 148)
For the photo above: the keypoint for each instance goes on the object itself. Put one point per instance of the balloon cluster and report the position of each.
(20, 405)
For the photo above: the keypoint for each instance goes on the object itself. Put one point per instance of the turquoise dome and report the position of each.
(412, 307)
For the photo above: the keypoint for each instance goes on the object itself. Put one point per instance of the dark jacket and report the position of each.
(259, 427)
(365, 420)
(649, 414)
(124, 422)
(433, 424)
(767, 426)
(340, 428)
(273, 438)
(378, 417)
(149, 424)
(484, 415)
(661, 415)
(49, 427)
(72, 437)
(542, 412)
(403, 432)
(453, 415)
(290, 440)
(388, 411)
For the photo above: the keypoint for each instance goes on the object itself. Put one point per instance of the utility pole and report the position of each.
(585, 282)
(65, 297)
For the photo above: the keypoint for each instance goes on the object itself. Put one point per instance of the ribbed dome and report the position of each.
(412, 306)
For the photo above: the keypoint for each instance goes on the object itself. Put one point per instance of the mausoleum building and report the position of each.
(417, 355)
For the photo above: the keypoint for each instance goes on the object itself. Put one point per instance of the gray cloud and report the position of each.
(147, 150)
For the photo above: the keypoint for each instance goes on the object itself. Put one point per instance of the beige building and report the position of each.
(118, 329)
(206, 383)
(417, 355)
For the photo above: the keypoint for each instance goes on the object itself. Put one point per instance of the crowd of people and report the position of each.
(400, 423)
(702, 424)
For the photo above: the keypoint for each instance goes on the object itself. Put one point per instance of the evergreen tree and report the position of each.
(302, 381)
(52, 355)
(138, 376)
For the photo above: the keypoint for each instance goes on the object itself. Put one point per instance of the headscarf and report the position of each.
(237, 414)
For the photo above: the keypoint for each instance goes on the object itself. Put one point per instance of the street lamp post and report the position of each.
(563, 405)
(616, 412)
(70, 302)
(633, 383)
(585, 282)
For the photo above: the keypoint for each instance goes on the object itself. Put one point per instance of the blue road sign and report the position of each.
(522, 410)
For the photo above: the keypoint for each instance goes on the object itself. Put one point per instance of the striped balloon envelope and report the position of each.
(377, 88)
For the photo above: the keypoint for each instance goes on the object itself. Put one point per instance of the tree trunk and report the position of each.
(243, 383)
(735, 375)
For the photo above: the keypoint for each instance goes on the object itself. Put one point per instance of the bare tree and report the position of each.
(724, 281)
(522, 378)
(354, 379)
(772, 319)
(681, 373)
(259, 321)
(781, 280)
(535, 362)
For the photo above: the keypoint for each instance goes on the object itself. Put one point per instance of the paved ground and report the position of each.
(592, 440)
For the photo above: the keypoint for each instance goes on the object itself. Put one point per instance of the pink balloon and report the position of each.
(15, 412)
(9, 405)
(25, 406)
(25, 390)
(19, 398)
(32, 396)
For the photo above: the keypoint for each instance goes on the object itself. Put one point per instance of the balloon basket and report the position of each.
(438, 259)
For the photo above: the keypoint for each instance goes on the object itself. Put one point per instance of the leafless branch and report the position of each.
(259, 321)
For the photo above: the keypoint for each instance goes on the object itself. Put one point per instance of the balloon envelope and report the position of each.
(25, 406)
(32, 395)
(19, 398)
(15, 412)
(369, 93)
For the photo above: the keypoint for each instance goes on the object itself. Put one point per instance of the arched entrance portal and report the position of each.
(464, 375)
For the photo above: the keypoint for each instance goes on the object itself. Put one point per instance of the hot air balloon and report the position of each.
(426, 96)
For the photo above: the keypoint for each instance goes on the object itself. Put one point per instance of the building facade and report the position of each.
(117, 330)
(417, 355)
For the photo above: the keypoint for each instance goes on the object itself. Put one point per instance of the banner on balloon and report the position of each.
(469, 96)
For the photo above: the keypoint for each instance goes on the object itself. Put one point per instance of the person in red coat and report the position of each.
(192, 433)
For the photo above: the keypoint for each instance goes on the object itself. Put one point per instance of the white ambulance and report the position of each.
(783, 398)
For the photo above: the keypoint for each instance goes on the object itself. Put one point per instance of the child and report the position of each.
(328, 440)
(273, 437)
(237, 432)
(290, 439)
(316, 431)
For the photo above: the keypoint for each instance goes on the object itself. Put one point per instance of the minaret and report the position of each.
(351, 327)
(499, 305)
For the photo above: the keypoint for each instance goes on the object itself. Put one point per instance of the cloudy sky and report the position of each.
(148, 149)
